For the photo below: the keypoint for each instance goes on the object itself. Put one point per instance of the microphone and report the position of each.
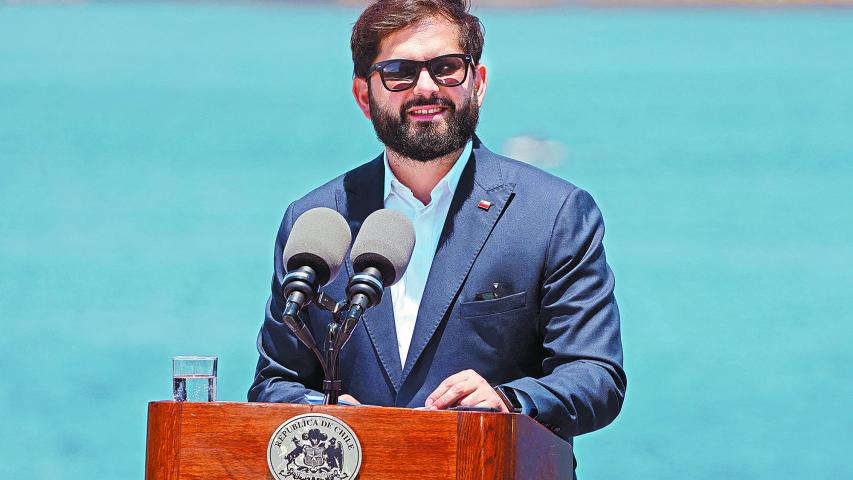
(312, 257)
(380, 255)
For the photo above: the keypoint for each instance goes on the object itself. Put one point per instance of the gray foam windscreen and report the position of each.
(319, 239)
(385, 242)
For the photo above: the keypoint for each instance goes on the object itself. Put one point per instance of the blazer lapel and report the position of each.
(466, 229)
(361, 196)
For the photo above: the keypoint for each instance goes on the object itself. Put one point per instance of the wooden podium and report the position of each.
(222, 440)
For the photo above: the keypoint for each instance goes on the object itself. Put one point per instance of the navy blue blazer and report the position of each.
(554, 335)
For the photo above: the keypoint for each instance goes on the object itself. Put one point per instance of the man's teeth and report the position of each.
(428, 111)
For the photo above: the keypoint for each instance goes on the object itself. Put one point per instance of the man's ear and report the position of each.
(362, 96)
(481, 80)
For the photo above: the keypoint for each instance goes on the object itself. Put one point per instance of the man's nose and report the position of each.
(424, 84)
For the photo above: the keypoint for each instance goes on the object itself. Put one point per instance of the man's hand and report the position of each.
(349, 399)
(467, 389)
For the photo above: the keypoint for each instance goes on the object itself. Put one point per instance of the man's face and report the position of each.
(428, 120)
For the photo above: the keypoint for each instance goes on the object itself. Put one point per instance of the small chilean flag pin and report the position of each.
(485, 204)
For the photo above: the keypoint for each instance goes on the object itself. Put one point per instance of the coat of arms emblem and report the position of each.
(314, 447)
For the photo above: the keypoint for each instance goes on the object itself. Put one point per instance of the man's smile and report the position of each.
(426, 113)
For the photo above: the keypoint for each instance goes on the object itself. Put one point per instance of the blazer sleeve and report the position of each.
(286, 368)
(584, 384)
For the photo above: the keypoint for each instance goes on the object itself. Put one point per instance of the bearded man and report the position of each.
(508, 301)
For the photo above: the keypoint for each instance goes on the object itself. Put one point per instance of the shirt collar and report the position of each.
(450, 180)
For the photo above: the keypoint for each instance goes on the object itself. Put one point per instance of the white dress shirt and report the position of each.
(428, 221)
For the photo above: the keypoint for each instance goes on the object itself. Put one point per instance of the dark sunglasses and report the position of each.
(447, 70)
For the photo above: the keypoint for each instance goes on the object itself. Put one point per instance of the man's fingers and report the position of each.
(468, 389)
(452, 395)
(446, 385)
(484, 396)
(474, 399)
(495, 403)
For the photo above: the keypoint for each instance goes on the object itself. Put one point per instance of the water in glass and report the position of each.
(194, 388)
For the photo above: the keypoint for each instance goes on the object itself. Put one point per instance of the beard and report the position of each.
(425, 141)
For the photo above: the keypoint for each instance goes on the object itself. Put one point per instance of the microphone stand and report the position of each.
(340, 331)
(363, 291)
(329, 361)
(332, 383)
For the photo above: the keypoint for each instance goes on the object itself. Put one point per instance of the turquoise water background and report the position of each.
(147, 152)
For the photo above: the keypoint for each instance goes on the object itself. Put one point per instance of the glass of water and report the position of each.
(194, 379)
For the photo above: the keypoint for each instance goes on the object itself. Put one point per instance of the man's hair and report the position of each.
(385, 17)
